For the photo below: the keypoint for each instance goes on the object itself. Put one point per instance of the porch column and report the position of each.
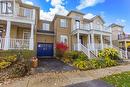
(93, 43)
(91, 26)
(89, 41)
(7, 37)
(31, 45)
(126, 51)
(101, 37)
(88, 45)
(78, 42)
(111, 40)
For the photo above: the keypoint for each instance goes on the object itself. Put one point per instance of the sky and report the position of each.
(112, 11)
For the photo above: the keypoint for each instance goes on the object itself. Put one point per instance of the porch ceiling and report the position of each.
(21, 24)
(25, 25)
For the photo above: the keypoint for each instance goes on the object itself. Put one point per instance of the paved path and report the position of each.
(53, 65)
(69, 79)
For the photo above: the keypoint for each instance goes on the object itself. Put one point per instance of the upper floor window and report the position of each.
(27, 12)
(46, 26)
(63, 23)
(6, 7)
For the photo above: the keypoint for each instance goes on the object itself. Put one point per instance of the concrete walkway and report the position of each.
(69, 79)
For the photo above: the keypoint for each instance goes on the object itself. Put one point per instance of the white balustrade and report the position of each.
(2, 42)
(15, 44)
(19, 44)
(94, 27)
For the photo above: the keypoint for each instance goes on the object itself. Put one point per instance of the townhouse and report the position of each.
(21, 28)
(87, 35)
(18, 23)
(121, 39)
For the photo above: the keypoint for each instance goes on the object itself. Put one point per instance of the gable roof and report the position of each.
(98, 17)
(75, 12)
(114, 24)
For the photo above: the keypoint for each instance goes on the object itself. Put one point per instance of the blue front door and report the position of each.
(44, 49)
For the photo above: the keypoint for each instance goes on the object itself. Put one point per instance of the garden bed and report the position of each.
(106, 58)
(14, 64)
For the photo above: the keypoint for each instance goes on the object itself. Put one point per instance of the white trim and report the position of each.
(46, 26)
(63, 37)
(26, 32)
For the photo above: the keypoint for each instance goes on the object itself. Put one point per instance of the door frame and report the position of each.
(46, 43)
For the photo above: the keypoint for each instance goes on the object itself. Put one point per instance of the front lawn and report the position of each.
(119, 80)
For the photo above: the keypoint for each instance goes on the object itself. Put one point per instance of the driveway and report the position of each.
(53, 65)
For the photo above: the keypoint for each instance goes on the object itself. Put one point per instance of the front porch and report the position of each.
(92, 41)
(16, 35)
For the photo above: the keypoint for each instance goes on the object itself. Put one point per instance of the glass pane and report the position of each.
(3, 7)
(9, 8)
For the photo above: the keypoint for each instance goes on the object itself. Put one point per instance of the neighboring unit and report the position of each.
(18, 22)
(121, 39)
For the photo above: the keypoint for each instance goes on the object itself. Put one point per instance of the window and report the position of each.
(46, 26)
(27, 12)
(26, 35)
(6, 7)
(63, 23)
(77, 24)
(64, 39)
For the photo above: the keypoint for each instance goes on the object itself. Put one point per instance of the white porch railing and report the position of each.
(93, 27)
(2, 42)
(15, 44)
(19, 44)
(91, 53)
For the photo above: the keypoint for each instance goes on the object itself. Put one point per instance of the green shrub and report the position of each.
(82, 57)
(98, 63)
(82, 65)
(20, 69)
(10, 58)
(20, 53)
(67, 58)
(75, 54)
(110, 62)
(4, 65)
(109, 52)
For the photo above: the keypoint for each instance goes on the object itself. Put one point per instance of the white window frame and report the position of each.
(27, 12)
(62, 39)
(6, 7)
(46, 26)
(24, 34)
(63, 23)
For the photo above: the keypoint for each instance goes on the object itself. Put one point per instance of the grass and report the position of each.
(119, 80)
